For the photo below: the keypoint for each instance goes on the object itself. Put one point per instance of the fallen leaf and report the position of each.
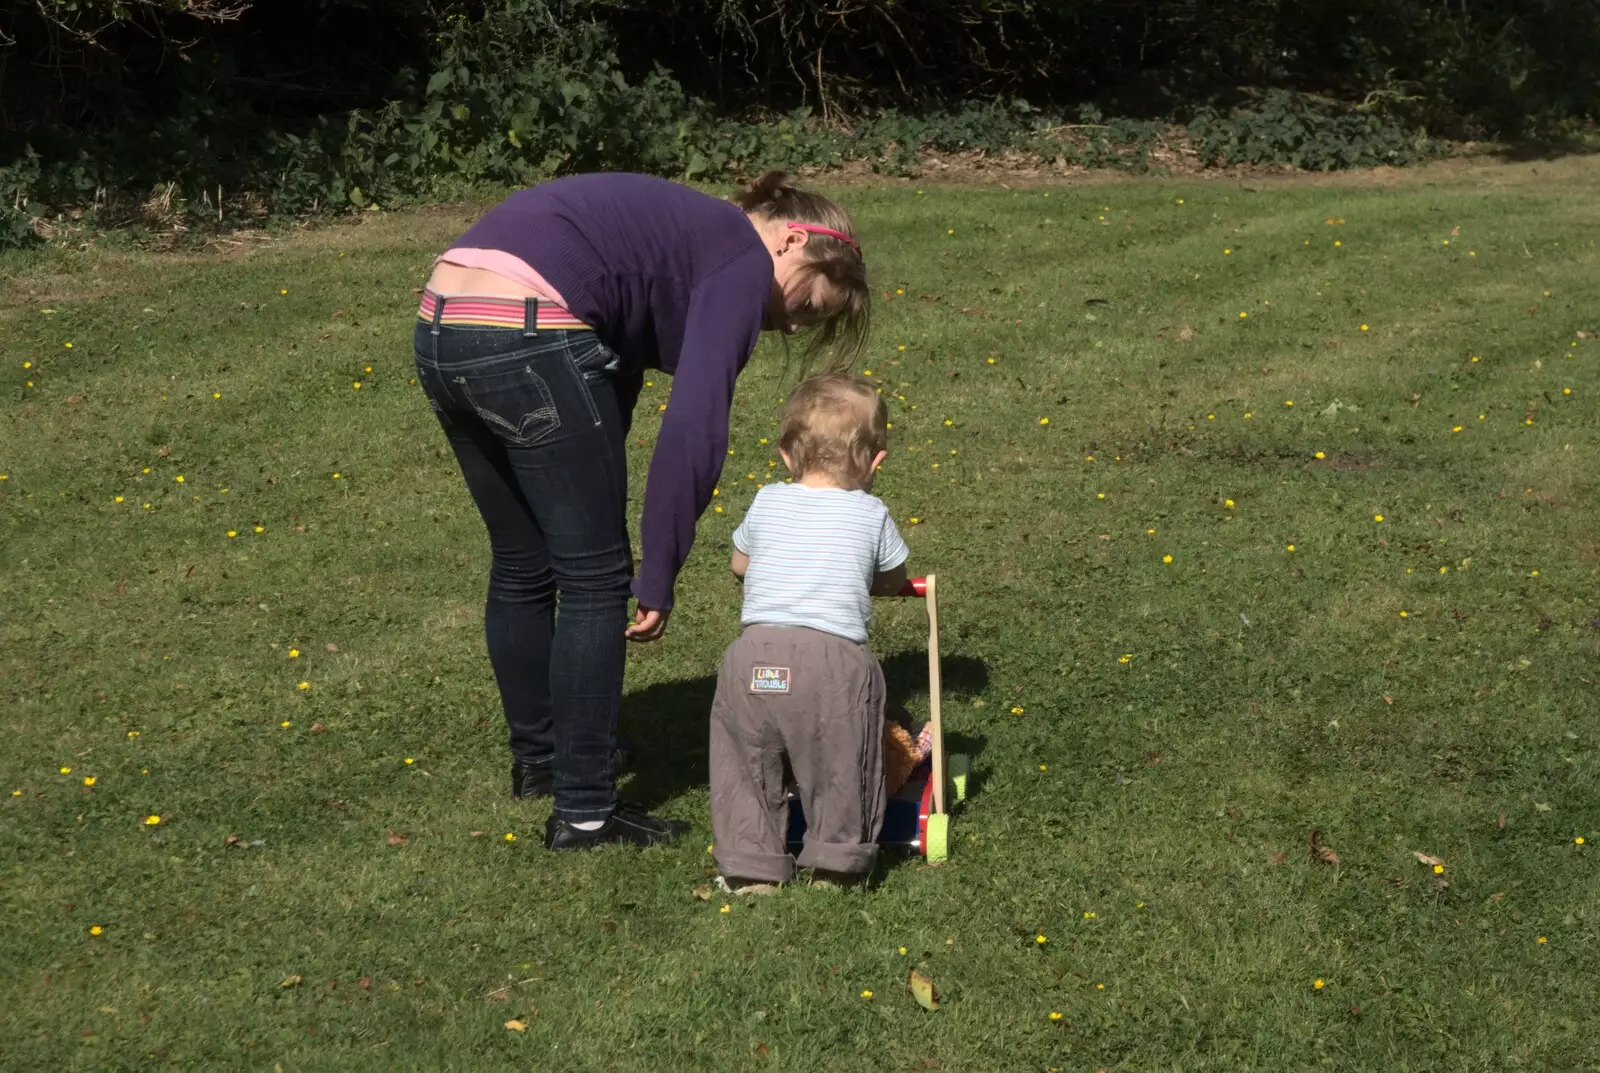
(1186, 335)
(1501, 823)
(290, 981)
(922, 990)
(702, 893)
(73, 400)
(317, 728)
(1320, 853)
(1495, 897)
(333, 648)
(365, 983)
(502, 995)
(515, 1025)
(163, 452)
(1279, 857)
(1424, 858)
(474, 834)
(333, 804)
(233, 840)
(396, 838)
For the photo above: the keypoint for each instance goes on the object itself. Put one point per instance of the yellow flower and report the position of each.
(1566, 391)
(232, 533)
(133, 733)
(1054, 1016)
(1100, 495)
(948, 422)
(1578, 841)
(1438, 869)
(1527, 421)
(1087, 915)
(1099, 987)
(866, 372)
(69, 344)
(510, 837)
(146, 469)
(117, 499)
(902, 951)
(1211, 417)
(355, 385)
(89, 780)
(335, 476)
(1289, 547)
(1243, 315)
(1288, 402)
(1088, 458)
(1377, 517)
(152, 820)
(1455, 428)
(286, 724)
(1044, 420)
(1226, 252)
(1482, 417)
(901, 348)
(294, 653)
(96, 929)
(868, 994)
(991, 361)
(901, 290)
(1474, 359)
(303, 686)
(1149, 532)
(1126, 657)
(1317, 984)
(16, 793)
(1543, 940)
(283, 291)
(1017, 709)
(725, 909)
(1533, 573)
(1166, 558)
(1405, 614)
(178, 479)
(1336, 242)
(410, 761)
(27, 365)
(1444, 569)
(1044, 767)
(66, 771)
(1248, 415)
(366, 369)
(1040, 939)
(718, 510)
(1228, 503)
(216, 394)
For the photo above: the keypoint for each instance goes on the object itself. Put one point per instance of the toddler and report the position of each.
(800, 684)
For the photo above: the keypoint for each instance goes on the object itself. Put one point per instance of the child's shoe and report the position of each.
(737, 887)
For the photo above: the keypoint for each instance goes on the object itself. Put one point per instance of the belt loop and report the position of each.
(438, 312)
(530, 317)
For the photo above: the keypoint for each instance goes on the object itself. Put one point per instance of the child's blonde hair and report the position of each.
(835, 424)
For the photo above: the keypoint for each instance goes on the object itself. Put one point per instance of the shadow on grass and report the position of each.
(668, 723)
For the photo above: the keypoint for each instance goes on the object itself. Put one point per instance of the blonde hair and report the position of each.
(836, 424)
(844, 334)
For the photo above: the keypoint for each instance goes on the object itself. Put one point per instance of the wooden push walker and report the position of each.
(916, 819)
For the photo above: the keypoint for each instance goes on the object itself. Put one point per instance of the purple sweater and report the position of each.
(670, 279)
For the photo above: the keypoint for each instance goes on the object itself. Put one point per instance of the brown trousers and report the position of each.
(817, 701)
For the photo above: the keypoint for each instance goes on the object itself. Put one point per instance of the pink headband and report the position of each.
(818, 229)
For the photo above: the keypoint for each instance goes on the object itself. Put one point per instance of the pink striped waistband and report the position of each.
(495, 311)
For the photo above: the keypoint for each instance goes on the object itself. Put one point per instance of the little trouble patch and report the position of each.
(769, 680)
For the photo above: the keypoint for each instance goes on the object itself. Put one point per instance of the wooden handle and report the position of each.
(937, 774)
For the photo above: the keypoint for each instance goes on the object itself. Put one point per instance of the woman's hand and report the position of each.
(648, 625)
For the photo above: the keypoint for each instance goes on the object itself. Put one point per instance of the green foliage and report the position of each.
(16, 180)
(1284, 129)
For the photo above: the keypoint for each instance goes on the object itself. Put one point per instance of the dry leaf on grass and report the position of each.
(1425, 859)
(474, 834)
(922, 990)
(291, 981)
(1320, 853)
(396, 838)
(515, 1025)
(702, 893)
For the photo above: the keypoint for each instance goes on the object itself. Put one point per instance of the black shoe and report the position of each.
(538, 780)
(629, 825)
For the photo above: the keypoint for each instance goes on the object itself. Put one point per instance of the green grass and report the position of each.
(1266, 692)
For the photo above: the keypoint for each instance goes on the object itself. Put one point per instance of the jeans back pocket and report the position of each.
(515, 403)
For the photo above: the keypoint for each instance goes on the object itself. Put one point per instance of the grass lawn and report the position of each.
(1257, 511)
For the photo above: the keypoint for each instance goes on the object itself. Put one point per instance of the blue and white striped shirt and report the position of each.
(813, 553)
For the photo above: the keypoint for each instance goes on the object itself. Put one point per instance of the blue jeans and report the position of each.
(535, 422)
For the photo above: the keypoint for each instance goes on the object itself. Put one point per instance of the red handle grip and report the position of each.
(914, 587)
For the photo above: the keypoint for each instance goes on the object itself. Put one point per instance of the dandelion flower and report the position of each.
(1483, 417)
(69, 344)
(117, 499)
(1566, 391)
(1228, 503)
(303, 686)
(1243, 315)
(1044, 420)
(1288, 402)
(1044, 767)
(66, 771)
(1087, 915)
(1455, 428)
(510, 837)
(355, 385)
(1166, 558)
(1336, 242)
(27, 365)
(133, 733)
(232, 533)
(178, 479)
(991, 361)
(1405, 614)
(1017, 709)
(1289, 547)
(410, 761)
(1100, 495)
(902, 951)
(1055, 1016)
(286, 724)
(1126, 657)
(294, 653)
(1363, 327)
(336, 476)
(216, 394)
(1226, 252)
(1438, 869)
(1248, 415)
(1099, 987)
(96, 929)
(152, 820)
(283, 291)
(89, 780)
(1543, 940)
(1211, 417)
(1578, 841)
(868, 994)
(366, 369)
(725, 908)
(1474, 359)
(1444, 569)
(1377, 518)
(1533, 573)
(1318, 984)
(1040, 939)
(260, 529)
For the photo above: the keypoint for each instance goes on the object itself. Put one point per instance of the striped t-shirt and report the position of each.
(813, 553)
